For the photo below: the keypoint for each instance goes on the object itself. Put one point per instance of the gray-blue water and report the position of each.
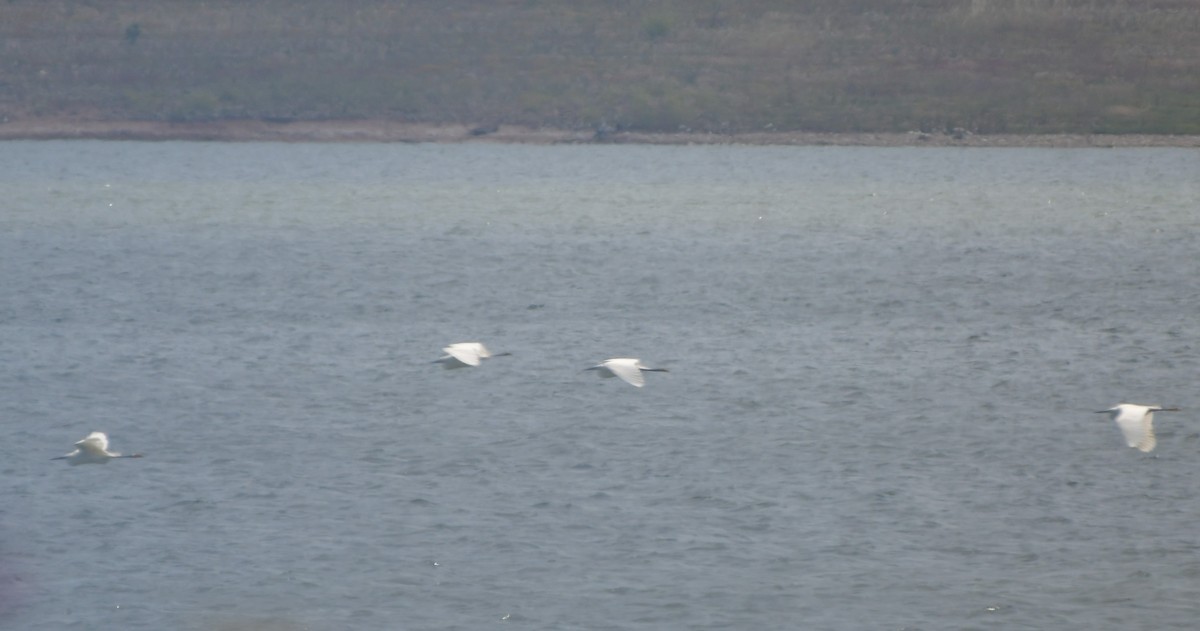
(884, 366)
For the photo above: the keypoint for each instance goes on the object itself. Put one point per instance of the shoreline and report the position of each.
(383, 131)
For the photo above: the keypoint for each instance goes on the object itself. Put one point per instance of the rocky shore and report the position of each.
(393, 131)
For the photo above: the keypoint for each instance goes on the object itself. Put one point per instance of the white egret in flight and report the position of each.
(464, 354)
(93, 450)
(1136, 423)
(629, 369)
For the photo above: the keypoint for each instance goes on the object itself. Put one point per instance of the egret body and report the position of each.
(629, 369)
(1136, 423)
(93, 450)
(465, 354)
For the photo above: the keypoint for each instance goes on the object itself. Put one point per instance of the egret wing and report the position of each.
(481, 350)
(1138, 429)
(95, 444)
(466, 353)
(628, 371)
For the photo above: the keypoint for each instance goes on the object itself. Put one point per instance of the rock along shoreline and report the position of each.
(382, 131)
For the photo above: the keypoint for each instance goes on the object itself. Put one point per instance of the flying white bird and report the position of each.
(629, 369)
(464, 354)
(1137, 423)
(92, 450)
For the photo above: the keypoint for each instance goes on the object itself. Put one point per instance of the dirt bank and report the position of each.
(391, 131)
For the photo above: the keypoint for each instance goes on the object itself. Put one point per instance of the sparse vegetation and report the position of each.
(985, 66)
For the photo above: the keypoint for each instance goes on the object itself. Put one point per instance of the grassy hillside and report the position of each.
(988, 66)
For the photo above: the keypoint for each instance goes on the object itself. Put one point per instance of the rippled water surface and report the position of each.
(883, 367)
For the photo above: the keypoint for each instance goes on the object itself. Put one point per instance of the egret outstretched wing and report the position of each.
(627, 370)
(469, 353)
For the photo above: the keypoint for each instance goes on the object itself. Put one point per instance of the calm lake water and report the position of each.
(884, 367)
